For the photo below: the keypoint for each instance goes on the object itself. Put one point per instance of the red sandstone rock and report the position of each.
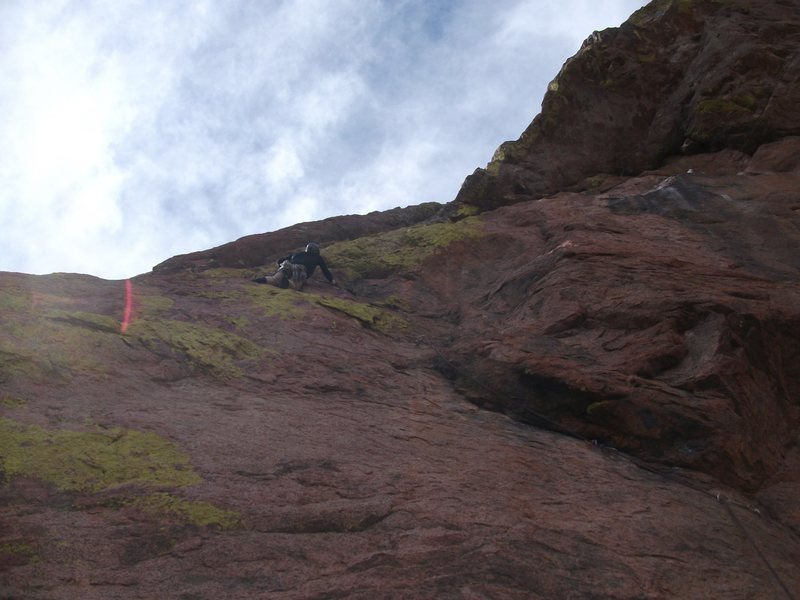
(698, 76)
(239, 442)
(653, 321)
(663, 322)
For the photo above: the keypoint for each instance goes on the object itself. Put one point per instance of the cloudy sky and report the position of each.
(134, 130)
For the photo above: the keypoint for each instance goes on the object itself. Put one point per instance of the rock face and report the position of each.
(697, 75)
(592, 394)
(660, 320)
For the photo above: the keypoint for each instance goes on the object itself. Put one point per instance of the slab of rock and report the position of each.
(625, 306)
(662, 322)
(314, 454)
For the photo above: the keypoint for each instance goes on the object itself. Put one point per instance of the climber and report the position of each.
(295, 269)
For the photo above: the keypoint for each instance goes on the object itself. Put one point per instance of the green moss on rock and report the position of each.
(747, 101)
(513, 152)
(394, 302)
(240, 322)
(199, 513)
(367, 315)
(14, 298)
(224, 273)
(724, 106)
(396, 251)
(275, 302)
(714, 116)
(152, 304)
(208, 348)
(57, 344)
(85, 319)
(18, 552)
(468, 210)
(289, 304)
(92, 460)
(227, 294)
(11, 401)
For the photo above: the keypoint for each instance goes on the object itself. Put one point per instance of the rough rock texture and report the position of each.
(696, 75)
(660, 317)
(635, 343)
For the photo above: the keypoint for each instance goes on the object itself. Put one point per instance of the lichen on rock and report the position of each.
(56, 343)
(400, 250)
(288, 304)
(366, 314)
(210, 348)
(275, 302)
(9, 401)
(14, 298)
(85, 319)
(92, 460)
(17, 552)
(192, 512)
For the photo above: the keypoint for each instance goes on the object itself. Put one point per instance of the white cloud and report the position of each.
(283, 165)
(573, 20)
(60, 186)
(131, 131)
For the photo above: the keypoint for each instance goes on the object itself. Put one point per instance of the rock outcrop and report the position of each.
(689, 75)
(588, 388)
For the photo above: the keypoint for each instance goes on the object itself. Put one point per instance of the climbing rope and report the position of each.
(749, 537)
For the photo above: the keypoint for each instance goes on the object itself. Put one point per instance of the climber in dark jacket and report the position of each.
(295, 269)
